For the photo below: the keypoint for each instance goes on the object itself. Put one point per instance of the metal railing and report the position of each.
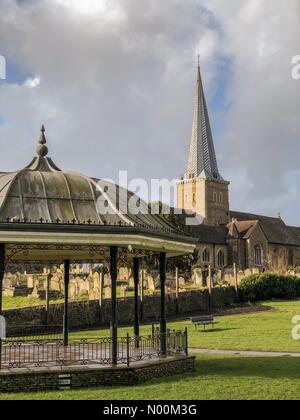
(43, 352)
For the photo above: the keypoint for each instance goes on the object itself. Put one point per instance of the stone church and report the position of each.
(226, 236)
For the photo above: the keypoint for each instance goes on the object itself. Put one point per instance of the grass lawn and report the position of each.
(216, 377)
(18, 302)
(23, 302)
(261, 331)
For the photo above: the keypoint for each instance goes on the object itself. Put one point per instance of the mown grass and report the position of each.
(216, 377)
(261, 331)
(17, 302)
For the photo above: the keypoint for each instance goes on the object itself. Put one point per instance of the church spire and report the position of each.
(202, 161)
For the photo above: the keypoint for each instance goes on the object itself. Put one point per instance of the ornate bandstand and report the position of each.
(50, 216)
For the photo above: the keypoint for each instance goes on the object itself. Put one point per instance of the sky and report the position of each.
(113, 82)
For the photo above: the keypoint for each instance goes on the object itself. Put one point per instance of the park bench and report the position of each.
(203, 320)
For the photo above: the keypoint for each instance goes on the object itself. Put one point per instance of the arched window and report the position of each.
(221, 259)
(214, 197)
(258, 255)
(194, 199)
(206, 256)
(220, 198)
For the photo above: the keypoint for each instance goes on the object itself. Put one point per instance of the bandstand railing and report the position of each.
(35, 352)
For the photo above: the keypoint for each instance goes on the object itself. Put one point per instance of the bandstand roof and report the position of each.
(43, 205)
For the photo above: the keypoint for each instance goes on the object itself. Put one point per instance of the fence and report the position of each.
(43, 352)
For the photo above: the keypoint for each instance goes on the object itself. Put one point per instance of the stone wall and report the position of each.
(85, 377)
(87, 314)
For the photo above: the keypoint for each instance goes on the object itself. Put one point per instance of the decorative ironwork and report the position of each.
(95, 223)
(15, 253)
(43, 351)
(95, 252)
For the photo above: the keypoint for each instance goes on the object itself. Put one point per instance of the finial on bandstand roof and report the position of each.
(42, 149)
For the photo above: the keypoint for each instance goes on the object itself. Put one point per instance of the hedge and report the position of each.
(259, 287)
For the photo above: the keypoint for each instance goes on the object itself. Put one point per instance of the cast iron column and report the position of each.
(66, 302)
(113, 324)
(47, 297)
(101, 285)
(136, 274)
(2, 269)
(163, 321)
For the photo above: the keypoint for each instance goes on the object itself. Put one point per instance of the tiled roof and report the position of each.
(276, 231)
(210, 234)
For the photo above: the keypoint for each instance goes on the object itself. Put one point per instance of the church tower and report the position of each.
(202, 189)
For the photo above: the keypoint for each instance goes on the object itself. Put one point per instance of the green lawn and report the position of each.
(261, 331)
(23, 302)
(18, 302)
(216, 377)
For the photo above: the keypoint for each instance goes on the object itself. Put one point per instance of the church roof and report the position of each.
(276, 231)
(202, 157)
(210, 234)
(242, 228)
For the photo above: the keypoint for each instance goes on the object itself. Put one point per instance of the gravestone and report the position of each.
(30, 282)
(107, 292)
(181, 281)
(107, 280)
(198, 276)
(2, 327)
(151, 283)
(123, 291)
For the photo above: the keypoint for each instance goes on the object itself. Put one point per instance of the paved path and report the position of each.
(245, 353)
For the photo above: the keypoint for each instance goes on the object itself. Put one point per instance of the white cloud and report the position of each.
(32, 82)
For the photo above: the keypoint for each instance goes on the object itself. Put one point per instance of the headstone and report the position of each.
(123, 292)
(131, 282)
(30, 282)
(181, 281)
(198, 276)
(107, 280)
(2, 327)
(151, 283)
(107, 292)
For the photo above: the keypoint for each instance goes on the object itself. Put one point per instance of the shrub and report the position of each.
(269, 286)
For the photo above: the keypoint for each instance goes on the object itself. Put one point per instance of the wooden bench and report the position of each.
(203, 320)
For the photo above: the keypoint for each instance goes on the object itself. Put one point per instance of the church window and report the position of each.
(194, 199)
(258, 255)
(221, 259)
(220, 198)
(206, 256)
